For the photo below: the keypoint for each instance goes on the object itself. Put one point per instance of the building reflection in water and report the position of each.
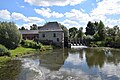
(53, 60)
(90, 57)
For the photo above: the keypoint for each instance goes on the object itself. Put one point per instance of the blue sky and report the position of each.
(71, 13)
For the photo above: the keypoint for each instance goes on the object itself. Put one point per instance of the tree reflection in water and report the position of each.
(11, 70)
(94, 57)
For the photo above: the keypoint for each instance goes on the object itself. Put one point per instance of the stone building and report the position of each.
(50, 33)
(29, 34)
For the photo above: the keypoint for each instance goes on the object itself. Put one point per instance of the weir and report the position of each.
(77, 43)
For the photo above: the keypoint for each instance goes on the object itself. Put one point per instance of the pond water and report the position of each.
(72, 64)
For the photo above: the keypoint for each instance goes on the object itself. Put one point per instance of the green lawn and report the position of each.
(21, 51)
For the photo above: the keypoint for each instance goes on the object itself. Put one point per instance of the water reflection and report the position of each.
(59, 64)
(90, 63)
(54, 59)
(11, 70)
(104, 65)
(76, 64)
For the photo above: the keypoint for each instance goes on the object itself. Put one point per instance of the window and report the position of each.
(28, 37)
(43, 35)
(54, 35)
(57, 39)
(23, 37)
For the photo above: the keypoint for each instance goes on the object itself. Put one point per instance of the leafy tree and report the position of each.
(72, 32)
(118, 38)
(22, 28)
(80, 32)
(9, 35)
(4, 51)
(33, 27)
(100, 32)
(96, 23)
(90, 29)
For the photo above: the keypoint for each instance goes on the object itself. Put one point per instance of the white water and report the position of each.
(78, 46)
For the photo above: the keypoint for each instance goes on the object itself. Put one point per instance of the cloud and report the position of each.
(46, 12)
(112, 22)
(26, 26)
(54, 2)
(107, 7)
(5, 14)
(104, 9)
(34, 20)
(18, 16)
(79, 18)
(70, 23)
(22, 6)
(111, 71)
(56, 14)
(97, 0)
(77, 15)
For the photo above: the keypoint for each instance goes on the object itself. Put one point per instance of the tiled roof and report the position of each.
(51, 26)
(29, 31)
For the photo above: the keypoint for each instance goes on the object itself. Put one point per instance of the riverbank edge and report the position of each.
(108, 48)
(21, 52)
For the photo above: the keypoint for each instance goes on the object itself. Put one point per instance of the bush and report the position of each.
(4, 51)
(100, 43)
(31, 44)
(10, 36)
(92, 44)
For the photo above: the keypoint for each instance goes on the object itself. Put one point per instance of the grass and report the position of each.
(46, 47)
(3, 60)
(20, 51)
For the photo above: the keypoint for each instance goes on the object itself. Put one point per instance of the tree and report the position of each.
(10, 36)
(96, 23)
(33, 27)
(22, 28)
(65, 30)
(80, 32)
(4, 51)
(90, 29)
(72, 32)
(101, 31)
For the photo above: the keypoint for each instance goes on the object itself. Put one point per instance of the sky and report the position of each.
(71, 13)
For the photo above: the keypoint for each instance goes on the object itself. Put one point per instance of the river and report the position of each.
(65, 64)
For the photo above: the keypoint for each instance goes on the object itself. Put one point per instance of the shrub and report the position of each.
(4, 51)
(100, 43)
(10, 36)
(92, 44)
(31, 44)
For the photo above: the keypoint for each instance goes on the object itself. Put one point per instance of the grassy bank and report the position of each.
(46, 47)
(20, 51)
